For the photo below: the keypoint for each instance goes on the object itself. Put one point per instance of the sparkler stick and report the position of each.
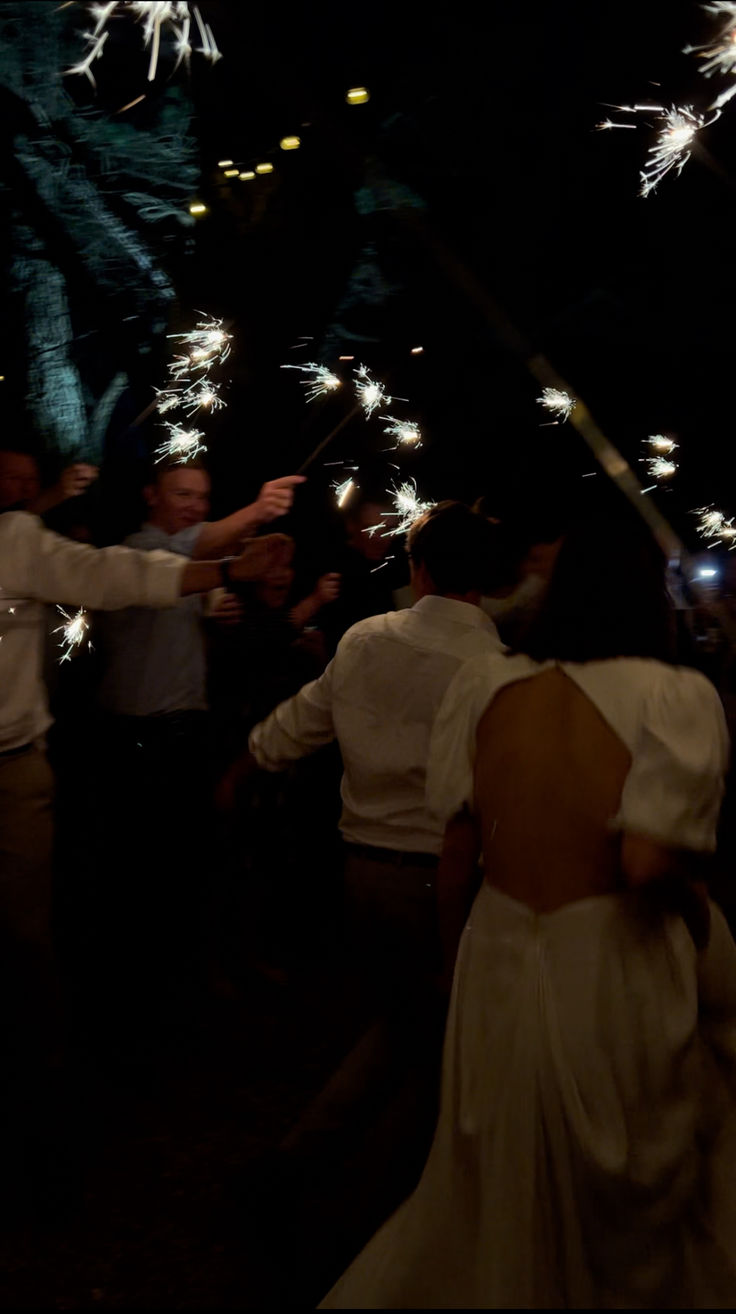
(332, 434)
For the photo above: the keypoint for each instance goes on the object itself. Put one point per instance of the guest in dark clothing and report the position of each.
(371, 571)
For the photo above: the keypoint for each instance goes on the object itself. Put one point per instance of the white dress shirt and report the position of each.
(37, 567)
(378, 697)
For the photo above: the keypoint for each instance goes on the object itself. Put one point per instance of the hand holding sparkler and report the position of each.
(276, 498)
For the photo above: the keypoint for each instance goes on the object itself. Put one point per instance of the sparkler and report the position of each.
(202, 396)
(713, 524)
(322, 380)
(404, 431)
(660, 468)
(369, 392)
(155, 15)
(73, 632)
(407, 508)
(207, 344)
(673, 143)
(660, 444)
(558, 403)
(166, 400)
(343, 490)
(719, 56)
(181, 445)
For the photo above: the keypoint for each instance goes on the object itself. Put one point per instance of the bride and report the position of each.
(586, 1143)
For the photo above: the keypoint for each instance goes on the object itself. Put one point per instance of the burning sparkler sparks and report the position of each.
(719, 56)
(369, 392)
(202, 396)
(343, 490)
(322, 380)
(156, 16)
(673, 143)
(558, 403)
(73, 632)
(405, 432)
(207, 344)
(181, 445)
(407, 508)
(660, 468)
(166, 400)
(713, 524)
(661, 444)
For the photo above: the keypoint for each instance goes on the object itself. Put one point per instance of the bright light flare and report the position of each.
(73, 632)
(370, 393)
(558, 403)
(405, 432)
(182, 444)
(321, 381)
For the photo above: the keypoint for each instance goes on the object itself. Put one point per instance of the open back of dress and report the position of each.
(549, 775)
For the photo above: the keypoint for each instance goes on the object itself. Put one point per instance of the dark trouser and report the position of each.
(152, 869)
(31, 1086)
(375, 1117)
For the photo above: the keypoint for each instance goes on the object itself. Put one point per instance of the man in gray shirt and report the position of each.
(154, 741)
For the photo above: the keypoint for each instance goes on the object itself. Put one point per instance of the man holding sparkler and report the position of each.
(378, 698)
(155, 738)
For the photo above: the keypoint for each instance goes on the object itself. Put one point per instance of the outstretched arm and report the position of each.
(220, 538)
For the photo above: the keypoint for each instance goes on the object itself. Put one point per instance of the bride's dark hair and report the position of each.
(607, 597)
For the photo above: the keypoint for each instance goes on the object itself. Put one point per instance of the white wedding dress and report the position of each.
(585, 1154)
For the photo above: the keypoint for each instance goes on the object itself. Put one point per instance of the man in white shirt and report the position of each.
(39, 567)
(378, 698)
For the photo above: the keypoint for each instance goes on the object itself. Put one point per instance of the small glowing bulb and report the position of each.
(197, 208)
(232, 173)
(357, 95)
(248, 173)
(264, 168)
(417, 351)
(225, 164)
(290, 143)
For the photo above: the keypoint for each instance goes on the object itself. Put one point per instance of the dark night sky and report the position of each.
(488, 115)
(631, 299)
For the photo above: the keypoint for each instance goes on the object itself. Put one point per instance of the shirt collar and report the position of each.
(433, 605)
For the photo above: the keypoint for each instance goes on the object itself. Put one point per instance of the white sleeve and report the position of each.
(296, 727)
(451, 767)
(48, 568)
(675, 784)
